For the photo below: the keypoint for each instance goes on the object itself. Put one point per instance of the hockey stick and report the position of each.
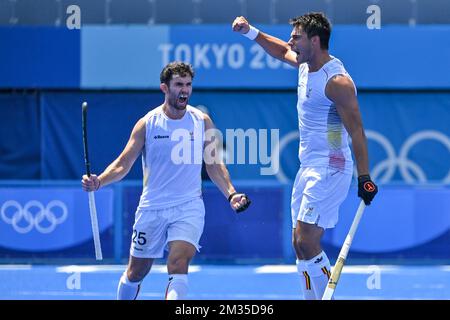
(92, 208)
(335, 275)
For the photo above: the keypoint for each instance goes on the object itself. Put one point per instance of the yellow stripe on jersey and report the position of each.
(326, 271)
(308, 280)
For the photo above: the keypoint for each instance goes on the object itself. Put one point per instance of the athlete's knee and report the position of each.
(136, 274)
(178, 265)
(306, 246)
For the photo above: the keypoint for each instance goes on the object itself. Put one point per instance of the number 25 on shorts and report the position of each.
(139, 238)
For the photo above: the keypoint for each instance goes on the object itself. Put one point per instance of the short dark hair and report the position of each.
(314, 24)
(175, 68)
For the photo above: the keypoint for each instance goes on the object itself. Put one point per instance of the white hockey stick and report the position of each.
(335, 275)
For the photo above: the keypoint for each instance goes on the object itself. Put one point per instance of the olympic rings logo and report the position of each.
(384, 170)
(23, 221)
(405, 164)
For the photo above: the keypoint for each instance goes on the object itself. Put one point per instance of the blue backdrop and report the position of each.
(42, 57)
(111, 117)
(131, 57)
(405, 132)
(20, 132)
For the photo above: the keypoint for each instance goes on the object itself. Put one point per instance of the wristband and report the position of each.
(232, 195)
(252, 33)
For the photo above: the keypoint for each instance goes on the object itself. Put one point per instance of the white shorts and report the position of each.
(317, 194)
(154, 229)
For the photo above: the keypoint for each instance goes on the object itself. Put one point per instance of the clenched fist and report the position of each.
(239, 201)
(241, 25)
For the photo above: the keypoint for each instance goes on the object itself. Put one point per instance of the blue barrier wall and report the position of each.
(132, 56)
(404, 222)
(42, 220)
(258, 234)
(51, 220)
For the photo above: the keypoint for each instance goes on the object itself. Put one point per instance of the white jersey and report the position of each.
(172, 158)
(323, 137)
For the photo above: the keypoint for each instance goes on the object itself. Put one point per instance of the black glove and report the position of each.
(243, 207)
(367, 189)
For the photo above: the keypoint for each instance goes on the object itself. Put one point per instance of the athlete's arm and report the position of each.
(341, 90)
(214, 165)
(276, 47)
(120, 167)
(218, 172)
